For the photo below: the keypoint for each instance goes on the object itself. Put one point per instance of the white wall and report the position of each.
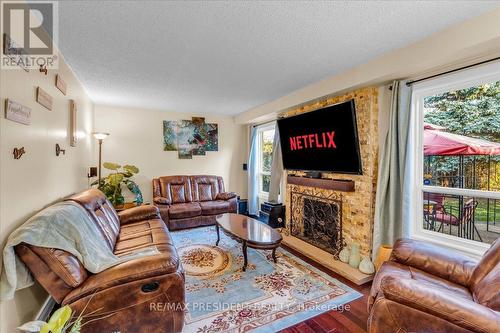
(39, 177)
(136, 137)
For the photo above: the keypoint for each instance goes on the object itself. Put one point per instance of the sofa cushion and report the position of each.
(205, 192)
(178, 193)
(133, 237)
(184, 210)
(63, 264)
(102, 213)
(214, 207)
(175, 189)
(200, 187)
(139, 235)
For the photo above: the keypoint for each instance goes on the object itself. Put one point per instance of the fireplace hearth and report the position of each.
(318, 221)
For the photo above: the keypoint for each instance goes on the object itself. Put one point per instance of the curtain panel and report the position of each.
(253, 176)
(276, 168)
(392, 191)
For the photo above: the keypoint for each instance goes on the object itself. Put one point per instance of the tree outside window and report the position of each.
(265, 158)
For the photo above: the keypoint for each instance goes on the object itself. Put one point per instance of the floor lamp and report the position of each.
(100, 136)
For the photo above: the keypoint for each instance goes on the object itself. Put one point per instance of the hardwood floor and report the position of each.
(352, 320)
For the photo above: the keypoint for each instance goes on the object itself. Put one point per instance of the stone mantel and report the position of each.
(327, 184)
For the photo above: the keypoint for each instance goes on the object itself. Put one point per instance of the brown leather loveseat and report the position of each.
(426, 288)
(192, 201)
(140, 295)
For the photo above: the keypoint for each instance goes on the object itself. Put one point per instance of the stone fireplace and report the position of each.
(318, 221)
(350, 208)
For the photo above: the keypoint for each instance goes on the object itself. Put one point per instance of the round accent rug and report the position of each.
(203, 260)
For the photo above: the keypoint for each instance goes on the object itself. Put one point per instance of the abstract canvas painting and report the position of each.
(190, 137)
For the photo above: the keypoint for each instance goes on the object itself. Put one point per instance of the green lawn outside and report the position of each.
(481, 209)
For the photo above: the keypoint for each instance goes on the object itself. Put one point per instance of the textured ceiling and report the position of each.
(228, 57)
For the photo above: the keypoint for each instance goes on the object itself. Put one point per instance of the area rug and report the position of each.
(268, 297)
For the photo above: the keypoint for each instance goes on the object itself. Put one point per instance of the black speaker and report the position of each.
(245, 166)
(242, 206)
(273, 214)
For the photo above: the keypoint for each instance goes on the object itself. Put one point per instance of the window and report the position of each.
(265, 138)
(455, 133)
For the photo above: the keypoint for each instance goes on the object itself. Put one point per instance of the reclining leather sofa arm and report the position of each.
(434, 260)
(225, 196)
(426, 298)
(140, 213)
(161, 201)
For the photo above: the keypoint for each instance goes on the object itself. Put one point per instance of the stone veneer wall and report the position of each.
(358, 207)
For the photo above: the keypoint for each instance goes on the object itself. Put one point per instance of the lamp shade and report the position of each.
(100, 135)
(383, 255)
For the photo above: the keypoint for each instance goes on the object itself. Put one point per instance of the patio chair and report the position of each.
(439, 213)
(465, 224)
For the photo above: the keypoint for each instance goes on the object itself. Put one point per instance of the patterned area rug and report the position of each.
(267, 297)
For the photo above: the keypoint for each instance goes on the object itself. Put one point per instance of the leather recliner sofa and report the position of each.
(125, 296)
(426, 288)
(192, 201)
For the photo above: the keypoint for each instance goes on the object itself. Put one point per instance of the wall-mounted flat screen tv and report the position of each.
(322, 140)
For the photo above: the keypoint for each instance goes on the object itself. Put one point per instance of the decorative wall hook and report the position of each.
(18, 152)
(59, 150)
(43, 69)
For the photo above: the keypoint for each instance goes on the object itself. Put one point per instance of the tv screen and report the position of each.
(322, 140)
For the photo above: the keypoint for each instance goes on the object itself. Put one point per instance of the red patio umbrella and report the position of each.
(433, 127)
(438, 142)
(441, 143)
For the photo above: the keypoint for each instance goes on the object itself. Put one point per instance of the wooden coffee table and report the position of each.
(248, 231)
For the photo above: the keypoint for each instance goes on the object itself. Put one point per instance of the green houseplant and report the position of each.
(63, 321)
(120, 176)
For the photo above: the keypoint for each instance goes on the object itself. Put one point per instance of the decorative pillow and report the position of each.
(205, 192)
(177, 193)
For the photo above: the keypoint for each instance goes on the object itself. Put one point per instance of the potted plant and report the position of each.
(112, 184)
(63, 321)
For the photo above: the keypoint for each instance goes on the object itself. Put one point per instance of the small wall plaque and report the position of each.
(43, 98)
(72, 124)
(60, 84)
(17, 112)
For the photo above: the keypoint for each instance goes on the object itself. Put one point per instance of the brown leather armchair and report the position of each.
(426, 288)
(140, 295)
(192, 201)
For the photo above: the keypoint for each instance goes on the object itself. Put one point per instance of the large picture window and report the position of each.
(456, 139)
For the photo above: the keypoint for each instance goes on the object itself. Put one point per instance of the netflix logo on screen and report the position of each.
(321, 140)
(313, 140)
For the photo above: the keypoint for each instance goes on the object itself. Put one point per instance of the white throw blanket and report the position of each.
(66, 226)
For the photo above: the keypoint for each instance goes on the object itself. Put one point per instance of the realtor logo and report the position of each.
(29, 31)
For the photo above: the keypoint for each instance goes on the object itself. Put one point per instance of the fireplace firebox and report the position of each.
(317, 221)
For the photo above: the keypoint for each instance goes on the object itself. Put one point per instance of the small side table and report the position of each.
(128, 205)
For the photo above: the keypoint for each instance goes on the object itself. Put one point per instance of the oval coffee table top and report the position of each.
(248, 229)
